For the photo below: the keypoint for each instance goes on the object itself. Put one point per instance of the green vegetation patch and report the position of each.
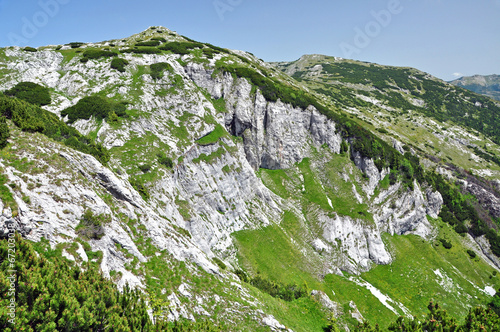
(91, 226)
(93, 54)
(142, 50)
(97, 106)
(313, 190)
(180, 47)
(214, 136)
(370, 307)
(4, 132)
(219, 104)
(119, 64)
(269, 252)
(145, 148)
(211, 157)
(281, 270)
(422, 271)
(31, 92)
(276, 180)
(341, 194)
(6, 195)
(219, 263)
(76, 44)
(149, 43)
(31, 118)
(184, 208)
(164, 160)
(158, 68)
(138, 185)
(30, 49)
(53, 293)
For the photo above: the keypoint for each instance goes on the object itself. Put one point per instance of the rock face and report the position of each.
(219, 199)
(487, 197)
(407, 213)
(368, 167)
(275, 135)
(484, 244)
(83, 183)
(362, 243)
(326, 303)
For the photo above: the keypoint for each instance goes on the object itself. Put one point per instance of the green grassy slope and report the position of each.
(421, 270)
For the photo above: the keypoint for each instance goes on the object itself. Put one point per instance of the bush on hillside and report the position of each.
(97, 106)
(472, 253)
(242, 275)
(180, 47)
(91, 226)
(160, 39)
(148, 43)
(86, 107)
(97, 54)
(447, 244)
(30, 49)
(139, 186)
(4, 132)
(31, 92)
(157, 69)
(119, 64)
(287, 292)
(76, 44)
(145, 168)
(142, 50)
(164, 160)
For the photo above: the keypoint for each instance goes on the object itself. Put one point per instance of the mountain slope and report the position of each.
(488, 85)
(448, 127)
(266, 176)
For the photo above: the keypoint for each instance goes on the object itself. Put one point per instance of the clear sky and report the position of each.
(446, 38)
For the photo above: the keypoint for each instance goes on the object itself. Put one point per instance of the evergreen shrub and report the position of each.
(31, 92)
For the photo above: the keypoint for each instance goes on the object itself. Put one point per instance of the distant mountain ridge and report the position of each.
(488, 85)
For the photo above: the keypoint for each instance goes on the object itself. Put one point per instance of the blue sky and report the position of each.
(446, 38)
